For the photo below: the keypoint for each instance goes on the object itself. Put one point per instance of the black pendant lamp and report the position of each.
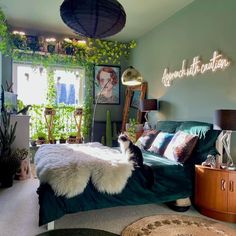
(93, 18)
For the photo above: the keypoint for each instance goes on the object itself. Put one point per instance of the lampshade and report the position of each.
(131, 77)
(225, 119)
(149, 105)
(93, 18)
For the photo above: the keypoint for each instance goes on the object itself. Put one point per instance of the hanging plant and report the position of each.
(51, 92)
(94, 51)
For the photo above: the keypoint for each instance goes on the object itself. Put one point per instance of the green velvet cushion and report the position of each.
(168, 126)
(195, 127)
(208, 142)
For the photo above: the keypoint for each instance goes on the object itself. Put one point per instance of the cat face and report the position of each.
(123, 138)
(124, 142)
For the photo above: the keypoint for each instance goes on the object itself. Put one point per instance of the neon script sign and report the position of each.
(217, 62)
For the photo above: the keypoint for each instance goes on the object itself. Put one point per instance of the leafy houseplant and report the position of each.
(63, 138)
(131, 130)
(9, 164)
(19, 40)
(42, 137)
(67, 46)
(51, 45)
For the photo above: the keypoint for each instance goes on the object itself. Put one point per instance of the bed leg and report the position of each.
(50, 225)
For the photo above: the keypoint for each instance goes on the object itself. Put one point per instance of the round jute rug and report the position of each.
(176, 225)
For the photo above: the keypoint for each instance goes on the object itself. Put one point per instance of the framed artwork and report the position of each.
(136, 99)
(9, 102)
(106, 84)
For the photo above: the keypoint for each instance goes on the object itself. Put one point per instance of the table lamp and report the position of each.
(225, 120)
(147, 105)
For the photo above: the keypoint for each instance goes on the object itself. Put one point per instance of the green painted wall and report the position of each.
(199, 29)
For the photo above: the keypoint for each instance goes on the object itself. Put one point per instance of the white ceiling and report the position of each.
(43, 16)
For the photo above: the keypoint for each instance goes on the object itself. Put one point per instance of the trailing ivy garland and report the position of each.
(95, 52)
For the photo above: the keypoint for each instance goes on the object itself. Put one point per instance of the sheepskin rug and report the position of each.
(69, 167)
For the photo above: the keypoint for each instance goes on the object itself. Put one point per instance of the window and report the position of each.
(32, 84)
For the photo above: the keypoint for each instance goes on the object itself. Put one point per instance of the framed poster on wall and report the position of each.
(106, 84)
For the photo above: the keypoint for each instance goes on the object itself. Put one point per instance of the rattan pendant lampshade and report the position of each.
(93, 18)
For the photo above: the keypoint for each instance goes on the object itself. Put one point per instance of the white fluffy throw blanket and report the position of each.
(68, 168)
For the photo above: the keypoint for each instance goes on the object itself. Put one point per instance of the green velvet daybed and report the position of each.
(172, 180)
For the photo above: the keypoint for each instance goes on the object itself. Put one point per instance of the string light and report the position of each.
(19, 32)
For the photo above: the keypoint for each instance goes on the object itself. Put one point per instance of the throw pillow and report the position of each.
(160, 143)
(145, 141)
(181, 146)
(168, 126)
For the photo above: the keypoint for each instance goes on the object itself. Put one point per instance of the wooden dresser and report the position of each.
(215, 193)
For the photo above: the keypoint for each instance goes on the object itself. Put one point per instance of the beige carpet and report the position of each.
(175, 225)
(19, 213)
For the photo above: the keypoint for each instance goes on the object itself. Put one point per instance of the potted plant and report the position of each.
(49, 111)
(132, 128)
(67, 46)
(51, 44)
(63, 137)
(24, 169)
(19, 40)
(42, 137)
(72, 137)
(9, 164)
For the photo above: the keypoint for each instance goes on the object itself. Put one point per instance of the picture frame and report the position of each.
(104, 91)
(9, 102)
(135, 99)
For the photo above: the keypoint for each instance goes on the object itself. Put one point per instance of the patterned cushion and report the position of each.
(181, 146)
(145, 141)
(160, 143)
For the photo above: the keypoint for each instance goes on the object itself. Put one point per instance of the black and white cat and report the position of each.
(131, 151)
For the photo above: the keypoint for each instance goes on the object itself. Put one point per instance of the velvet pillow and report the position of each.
(160, 143)
(168, 126)
(145, 141)
(181, 146)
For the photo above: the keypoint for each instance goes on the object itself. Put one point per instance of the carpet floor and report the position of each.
(19, 213)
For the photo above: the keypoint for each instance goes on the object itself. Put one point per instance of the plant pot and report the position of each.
(69, 50)
(53, 141)
(62, 140)
(33, 143)
(49, 111)
(78, 111)
(8, 168)
(24, 170)
(72, 139)
(51, 48)
(138, 127)
(6, 180)
(41, 141)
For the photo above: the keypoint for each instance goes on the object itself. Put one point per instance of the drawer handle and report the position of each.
(223, 182)
(231, 186)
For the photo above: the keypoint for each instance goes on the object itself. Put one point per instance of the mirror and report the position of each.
(133, 95)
